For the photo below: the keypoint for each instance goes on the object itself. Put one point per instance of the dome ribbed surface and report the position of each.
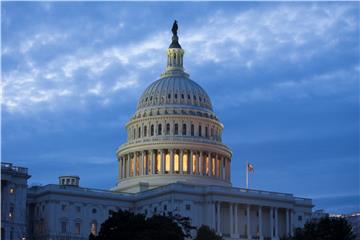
(174, 90)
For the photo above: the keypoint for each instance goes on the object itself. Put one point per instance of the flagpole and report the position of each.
(247, 175)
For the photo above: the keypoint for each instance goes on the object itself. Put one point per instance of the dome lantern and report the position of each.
(175, 55)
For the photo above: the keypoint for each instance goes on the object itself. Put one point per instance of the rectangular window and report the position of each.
(192, 129)
(139, 132)
(300, 218)
(206, 132)
(145, 131)
(199, 131)
(167, 129)
(77, 228)
(152, 130)
(188, 207)
(184, 130)
(159, 129)
(176, 129)
(63, 227)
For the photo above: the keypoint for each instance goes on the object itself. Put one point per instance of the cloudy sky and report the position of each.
(283, 78)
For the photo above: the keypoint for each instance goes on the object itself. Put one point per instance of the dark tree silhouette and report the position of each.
(205, 233)
(126, 225)
(325, 229)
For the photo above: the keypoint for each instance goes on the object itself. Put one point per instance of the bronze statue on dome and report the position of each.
(174, 28)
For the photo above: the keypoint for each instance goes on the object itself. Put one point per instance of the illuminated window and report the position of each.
(194, 162)
(159, 129)
(167, 129)
(137, 165)
(192, 129)
(158, 163)
(176, 129)
(176, 163)
(132, 160)
(213, 166)
(12, 190)
(77, 228)
(93, 228)
(184, 129)
(11, 212)
(167, 163)
(185, 162)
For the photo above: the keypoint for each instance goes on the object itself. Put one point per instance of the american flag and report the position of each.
(250, 167)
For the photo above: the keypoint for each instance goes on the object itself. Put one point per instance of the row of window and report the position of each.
(175, 129)
(65, 228)
(157, 112)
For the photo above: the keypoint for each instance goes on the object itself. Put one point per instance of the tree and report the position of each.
(325, 229)
(205, 233)
(126, 225)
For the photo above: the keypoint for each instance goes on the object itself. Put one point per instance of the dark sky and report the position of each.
(283, 79)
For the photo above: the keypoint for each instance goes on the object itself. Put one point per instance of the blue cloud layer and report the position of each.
(283, 78)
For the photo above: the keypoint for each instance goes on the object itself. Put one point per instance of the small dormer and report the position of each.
(69, 180)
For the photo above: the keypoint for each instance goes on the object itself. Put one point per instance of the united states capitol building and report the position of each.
(174, 160)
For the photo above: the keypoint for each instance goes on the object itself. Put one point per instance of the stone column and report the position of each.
(120, 168)
(216, 166)
(249, 236)
(181, 161)
(271, 223)
(287, 232)
(260, 224)
(218, 227)
(200, 163)
(236, 229)
(162, 167)
(231, 220)
(291, 222)
(128, 165)
(222, 167)
(172, 161)
(142, 160)
(153, 162)
(190, 168)
(276, 224)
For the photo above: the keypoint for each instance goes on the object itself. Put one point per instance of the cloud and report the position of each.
(246, 39)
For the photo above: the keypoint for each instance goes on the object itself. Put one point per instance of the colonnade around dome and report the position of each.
(174, 161)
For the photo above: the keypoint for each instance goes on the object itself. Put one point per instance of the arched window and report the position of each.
(176, 129)
(93, 228)
(145, 131)
(176, 163)
(200, 134)
(192, 129)
(167, 162)
(152, 130)
(167, 129)
(159, 129)
(184, 129)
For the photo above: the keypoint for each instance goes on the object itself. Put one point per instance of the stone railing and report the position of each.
(9, 166)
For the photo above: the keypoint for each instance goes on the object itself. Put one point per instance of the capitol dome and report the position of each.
(174, 135)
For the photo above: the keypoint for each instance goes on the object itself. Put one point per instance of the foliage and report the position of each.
(205, 233)
(125, 225)
(325, 229)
